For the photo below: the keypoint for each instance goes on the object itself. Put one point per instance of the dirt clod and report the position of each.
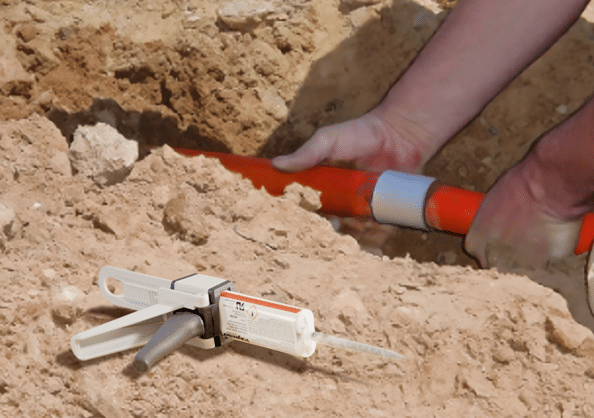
(102, 153)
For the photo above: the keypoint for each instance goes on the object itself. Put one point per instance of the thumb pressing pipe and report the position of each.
(391, 197)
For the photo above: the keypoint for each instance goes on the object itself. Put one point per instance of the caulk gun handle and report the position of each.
(174, 333)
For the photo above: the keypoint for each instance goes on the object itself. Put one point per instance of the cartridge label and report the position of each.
(258, 321)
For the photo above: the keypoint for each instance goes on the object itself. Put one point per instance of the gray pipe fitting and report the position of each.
(399, 199)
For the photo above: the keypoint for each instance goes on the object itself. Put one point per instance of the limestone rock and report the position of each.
(10, 226)
(28, 32)
(353, 4)
(362, 16)
(7, 220)
(97, 399)
(66, 304)
(40, 55)
(60, 164)
(111, 220)
(14, 80)
(306, 197)
(273, 104)
(567, 334)
(37, 130)
(244, 15)
(184, 216)
(102, 153)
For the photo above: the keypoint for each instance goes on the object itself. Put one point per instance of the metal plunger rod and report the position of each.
(350, 193)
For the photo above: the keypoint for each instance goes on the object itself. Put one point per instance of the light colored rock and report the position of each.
(273, 104)
(306, 197)
(566, 333)
(102, 153)
(477, 382)
(161, 195)
(13, 77)
(66, 303)
(7, 217)
(184, 215)
(28, 32)
(362, 16)
(448, 257)
(503, 354)
(10, 226)
(351, 4)
(60, 164)
(6, 178)
(97, 399)
(40, 131)
(249, 207)
(45, 58)
(244, 15)
(112, 221)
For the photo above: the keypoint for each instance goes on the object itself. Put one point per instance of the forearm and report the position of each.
(560, 167)
(479, 49)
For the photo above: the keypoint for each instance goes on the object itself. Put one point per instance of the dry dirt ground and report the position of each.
(258, 77)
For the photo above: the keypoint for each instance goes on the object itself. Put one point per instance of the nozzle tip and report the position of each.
(140, 364)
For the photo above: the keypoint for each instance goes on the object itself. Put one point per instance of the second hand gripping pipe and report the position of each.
(390, 197)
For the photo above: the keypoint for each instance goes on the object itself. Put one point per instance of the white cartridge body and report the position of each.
(268, 324)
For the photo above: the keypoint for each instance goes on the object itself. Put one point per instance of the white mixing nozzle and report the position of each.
(345, 344)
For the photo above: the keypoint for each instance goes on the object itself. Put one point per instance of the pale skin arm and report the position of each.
(478, 50)
(481, 47)
(535, 209)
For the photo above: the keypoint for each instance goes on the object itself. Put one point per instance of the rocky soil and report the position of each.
(257, 78)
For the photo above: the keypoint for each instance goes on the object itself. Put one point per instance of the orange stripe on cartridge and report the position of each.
(261, 302)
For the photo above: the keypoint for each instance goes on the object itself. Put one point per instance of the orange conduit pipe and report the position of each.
(350, 192)
(452, 209)
(344, 192)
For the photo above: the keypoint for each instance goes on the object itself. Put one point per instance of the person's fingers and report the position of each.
(367, 141)
(514, 229)
(311, 153)
(543, 240)
(475, 244)
(564, 236)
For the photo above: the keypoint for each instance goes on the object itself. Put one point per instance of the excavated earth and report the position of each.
(257, 78)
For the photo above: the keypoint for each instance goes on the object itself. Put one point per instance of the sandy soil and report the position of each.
(259, 80)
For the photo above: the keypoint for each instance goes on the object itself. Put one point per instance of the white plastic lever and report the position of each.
(153, 299)
(132, 330)
(140, 290)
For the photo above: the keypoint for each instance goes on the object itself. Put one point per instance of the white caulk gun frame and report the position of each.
(202, 311)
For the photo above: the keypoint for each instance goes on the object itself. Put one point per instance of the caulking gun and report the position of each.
(202, 311)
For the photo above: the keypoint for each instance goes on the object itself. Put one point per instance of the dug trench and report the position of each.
(260, 82)
(237, 90)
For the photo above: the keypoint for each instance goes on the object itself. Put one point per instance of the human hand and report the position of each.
(370, 141)
(519, 224)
